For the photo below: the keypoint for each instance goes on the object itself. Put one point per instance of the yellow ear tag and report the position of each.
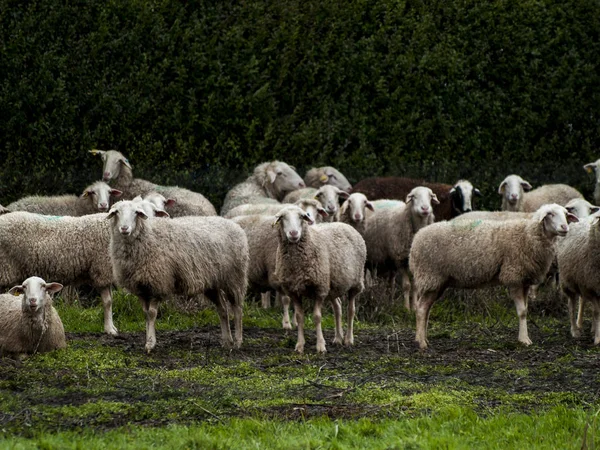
(16, 294)
(94, 152)
(85, 194)
(589, 170)
(324, 178)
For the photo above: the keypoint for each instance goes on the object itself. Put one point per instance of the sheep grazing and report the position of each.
(390, 232)
(118, 171)
(72, 250)
(453, 200)
(593, 168)
(269, 183)
(319, 262)
(578, 265)
(321, 176)
(28, 321)
(514, 253)
(518, 196)
(154, 259)
(95, 198)
(354, 212)
(328, 196)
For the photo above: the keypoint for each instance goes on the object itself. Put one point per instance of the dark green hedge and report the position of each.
(197, 93)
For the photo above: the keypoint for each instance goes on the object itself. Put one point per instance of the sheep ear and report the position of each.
(571, 218)
(590, 167)
(272, 175)
(112, 213)
(570, 209)
(85, 194)
(97, 152)
(306, 217)
(409, 198)
(370, 206)
(477, 192)
(125, 162)
(53, 287)
(434, 199)
(276, 221)
(161, 213)
(594, 209)
(170, 202)
(142, 215)
(115, 193)
(526, 186)
(322, 212)
(452, 191)
(17, 290)
(501, 188)
(343, 194)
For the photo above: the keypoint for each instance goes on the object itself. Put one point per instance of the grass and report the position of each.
(475, 387)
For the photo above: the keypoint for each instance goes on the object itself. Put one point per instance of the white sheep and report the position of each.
(154, 259)
(321, 176)
(518, 196)
(329, 196)
(581, 208)
(492, 215)
(269, 183)
(390, 231)
(312, 206)
(95, 198)
(118, 171)
(354, 212)
(28, 321)
(71, 250)
(321, 262)
(514, 253)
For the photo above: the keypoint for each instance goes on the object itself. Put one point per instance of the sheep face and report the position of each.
(99, 194)
(462, 196)
(555, 218)
(283, 177)
(313, 208)
(34, 291)
(357, 205)
(329, 197)
(291, 221)
(513, 187)
(159, 201)
(581, 208)
(420, 200)
(125, 216)
(332, 176)
(593, 168)
(113, 162)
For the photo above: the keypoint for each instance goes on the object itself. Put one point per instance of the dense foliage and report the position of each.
(197, 93)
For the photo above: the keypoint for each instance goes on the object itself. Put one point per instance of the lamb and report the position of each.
(72, 250)
(154, 259)
(28, 321)
(269, 183)
(453, 200)
(321, 176)
(518, 196)
(513, 253)
(390, 232)
(328, 196)
(117, 169)
(321, 262)
(593, 168)
(95, 198)
(354, 212)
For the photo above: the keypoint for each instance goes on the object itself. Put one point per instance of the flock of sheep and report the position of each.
(310, 238)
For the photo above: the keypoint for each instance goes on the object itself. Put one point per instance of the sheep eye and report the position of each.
(333, 176)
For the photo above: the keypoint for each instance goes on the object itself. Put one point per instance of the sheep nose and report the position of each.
(103, 206)
(301, 184)
(32, 302)
(564, 227)
(357, 217)
(514, 196)
(294, 233)
(106, 176)
(425, 209)
(125, 229)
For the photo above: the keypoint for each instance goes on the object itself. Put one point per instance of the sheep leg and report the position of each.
(422, 309)
(265, 299)
(237, 320)
(317, 319)
(336, 304)
(226, 339)
(533, 291)
(519, 295)
(579, 316)
(575, 326)
(285, 302)
(151, 311)
(596, 320)
(349, 338)
(299, 315)
(109, 327)
(406, 288)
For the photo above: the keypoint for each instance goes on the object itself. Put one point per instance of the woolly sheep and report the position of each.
(321, 176)
(581, 208)
(320, 262)
(518, 196)
(453, 199)
(118, 171)
(28, 321)
(269, 183)
(328, 196)
(387, 203)
(95, 198)
(354, 212)
(593, 168)
(154, 259)
(390, 232)
(312, 206)
(72, 250)
(513, 253)
(492, 215)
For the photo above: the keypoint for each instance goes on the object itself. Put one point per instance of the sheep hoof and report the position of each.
(337, 340)
(525, 341)
(576, 332)
(112, 331)
(300, 348)
(287, 326)
(237, 344)
(321, 348)
(348, 342)
(422, 344)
